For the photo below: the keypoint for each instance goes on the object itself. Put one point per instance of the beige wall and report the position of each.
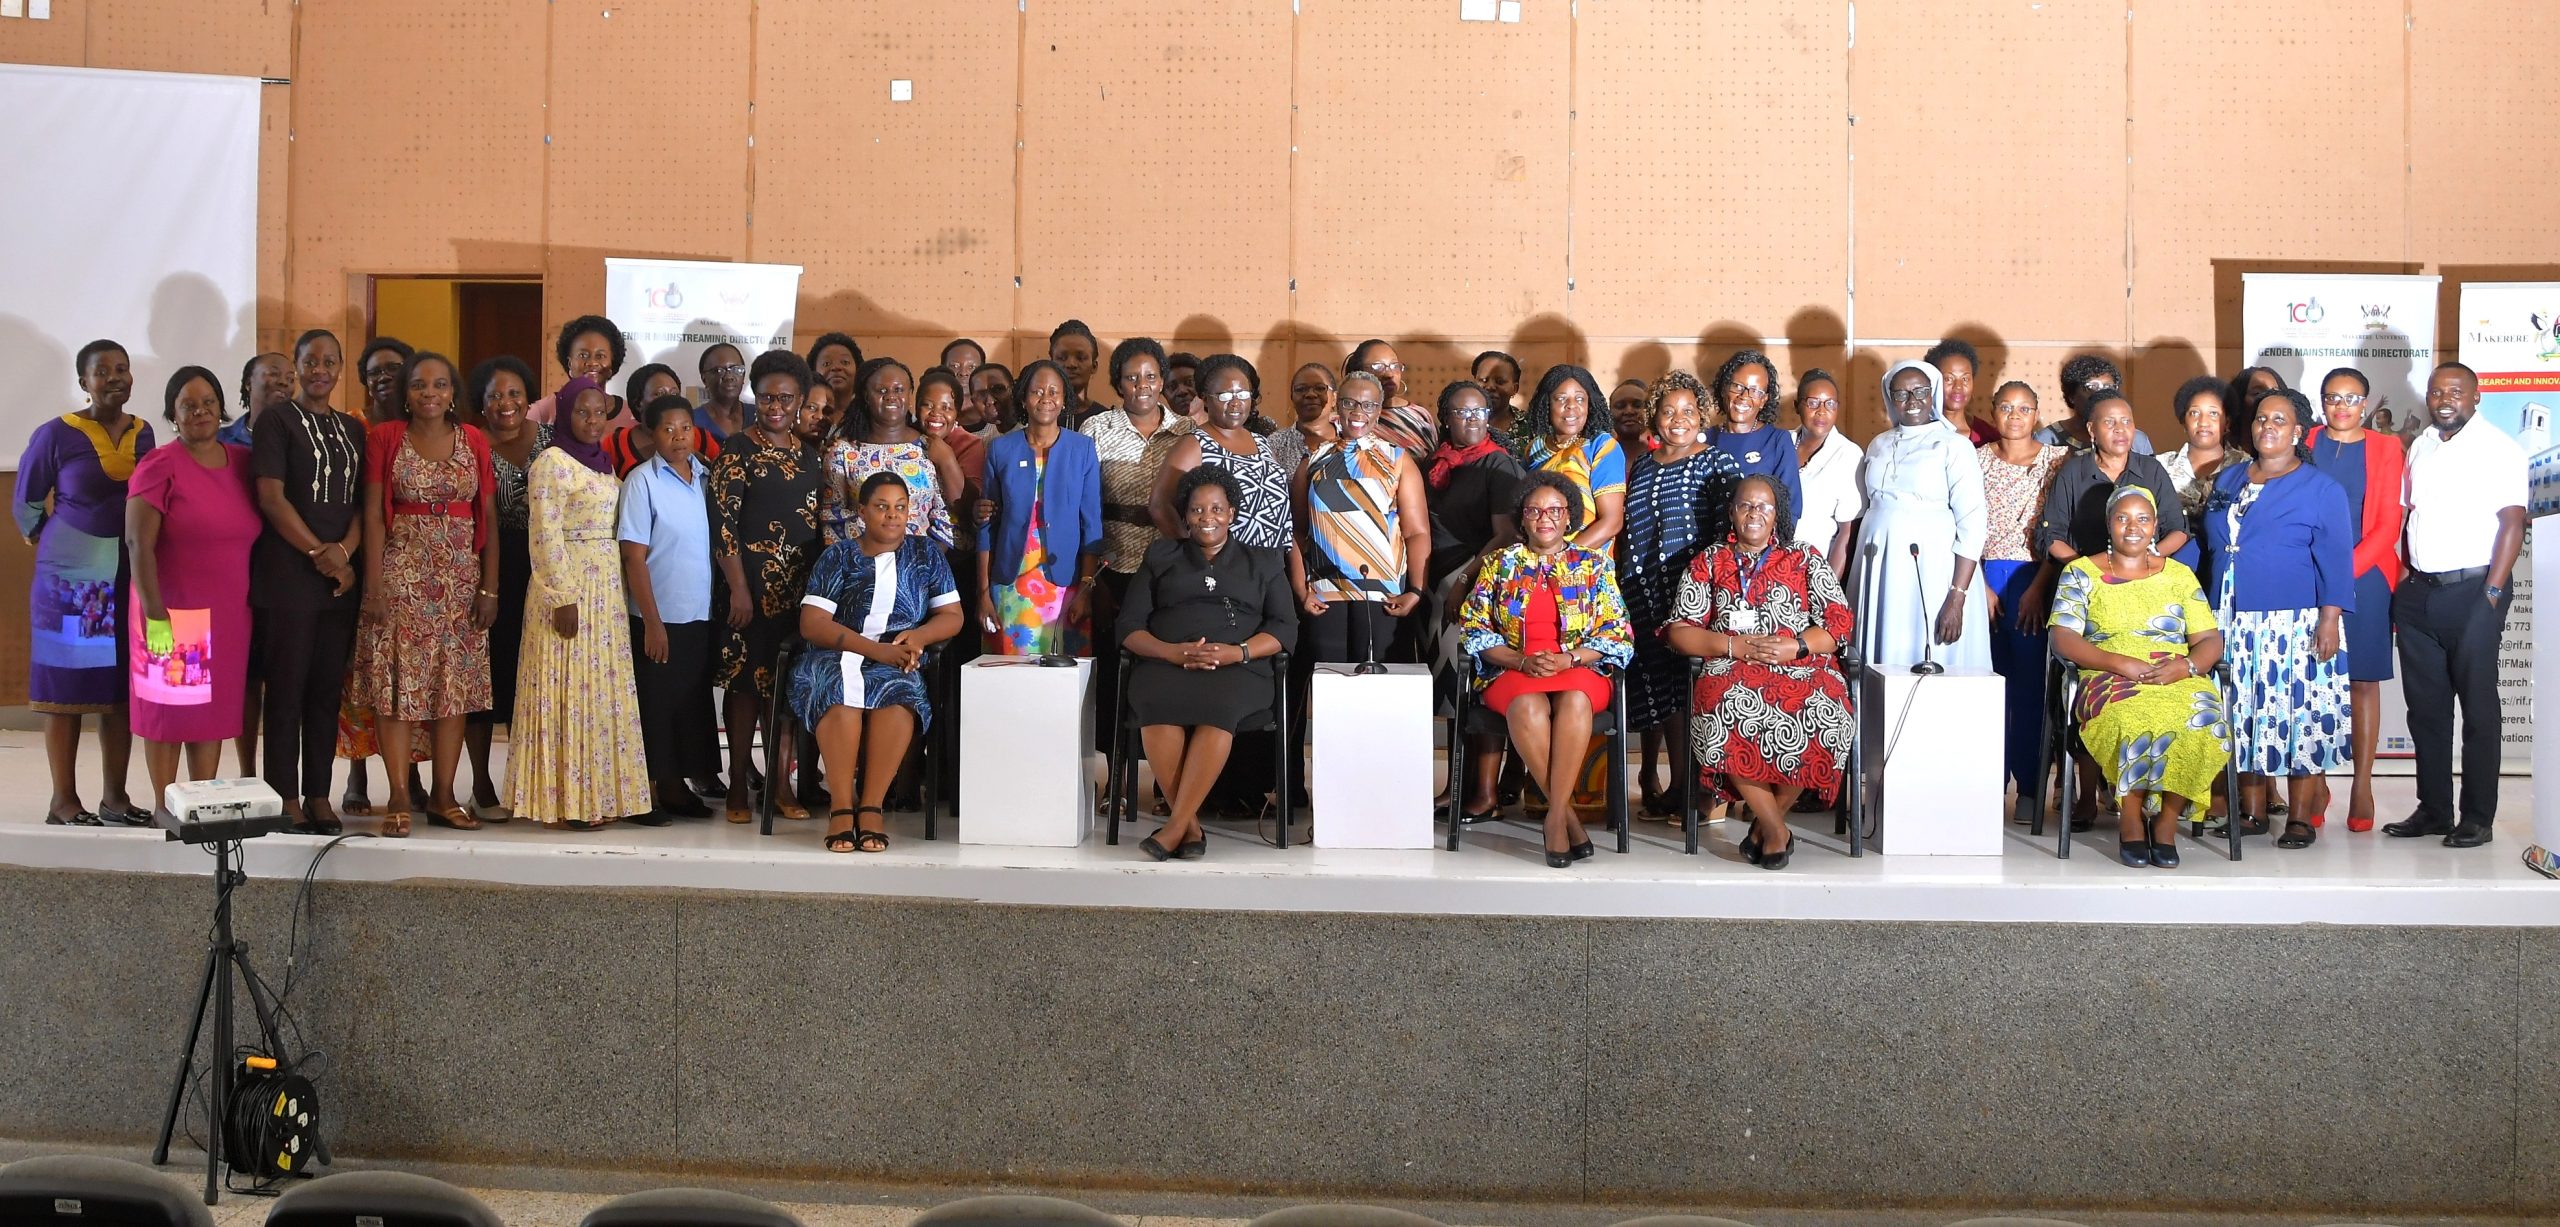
(1647, 183)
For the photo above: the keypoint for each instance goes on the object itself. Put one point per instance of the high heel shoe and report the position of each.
(2135, 853)
(1581, 851)
(1560, 860)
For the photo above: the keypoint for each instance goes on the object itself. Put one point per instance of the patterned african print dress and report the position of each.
(2145, 738)
(849, 462)
(1595, 466)
(76, 605)
(1031, 608)
(1666, 506)
(1770, 724)
(574, 741)
(1264, 519)
(764, 510)
(876, 596)
(515, 573)
(424, 660)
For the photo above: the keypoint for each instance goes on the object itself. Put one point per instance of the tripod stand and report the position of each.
(225, 957)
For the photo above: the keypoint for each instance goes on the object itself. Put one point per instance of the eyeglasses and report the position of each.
(1357, 406)
(1387, 368)
(1818, 402)
(1239, 395)
(1749, 395)
(728, 368)
(1756, 508)
(2343, 398)
(781, 400)
(1909, 396)
(1542, 513)
(1477, 414)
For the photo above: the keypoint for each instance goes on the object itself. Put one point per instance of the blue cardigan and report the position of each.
(2297, 544)
(1071, 505)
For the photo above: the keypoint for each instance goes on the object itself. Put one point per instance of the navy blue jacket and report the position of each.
(2296, 548)
(1070, 505)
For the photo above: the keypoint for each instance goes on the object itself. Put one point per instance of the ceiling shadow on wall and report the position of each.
(2159, 367)
(1644, 362)
(2227, 288)
(1719, 341)
(2449, 297)
(1553, 340)
(1202, 335)
(1431, 362)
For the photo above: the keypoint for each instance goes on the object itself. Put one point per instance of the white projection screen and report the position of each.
(128, 210)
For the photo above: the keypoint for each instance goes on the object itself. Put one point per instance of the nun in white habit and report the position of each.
(1924, 489)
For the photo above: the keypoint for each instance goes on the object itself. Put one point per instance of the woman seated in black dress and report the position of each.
(1204, 616)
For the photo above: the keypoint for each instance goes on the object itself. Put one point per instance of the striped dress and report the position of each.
(1351, 514)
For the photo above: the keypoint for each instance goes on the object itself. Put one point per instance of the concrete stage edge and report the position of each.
(2333, 1067)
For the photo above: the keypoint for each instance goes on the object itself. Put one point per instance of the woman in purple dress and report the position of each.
(188, 524)
(71, 490)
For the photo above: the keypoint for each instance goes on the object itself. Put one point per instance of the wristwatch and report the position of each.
(1803, 649)
(2496, 593)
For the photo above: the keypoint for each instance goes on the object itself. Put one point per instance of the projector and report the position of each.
(218, 811)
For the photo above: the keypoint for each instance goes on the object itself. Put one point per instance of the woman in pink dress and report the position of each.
(189, 520)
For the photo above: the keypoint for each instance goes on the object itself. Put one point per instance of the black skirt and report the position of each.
(506, 634)
(1221, 698)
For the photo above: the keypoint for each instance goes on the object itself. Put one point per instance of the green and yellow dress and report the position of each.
(2146, 738)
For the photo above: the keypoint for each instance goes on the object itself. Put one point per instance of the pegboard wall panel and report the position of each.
(420, 148)
(2296, 159)
(900, 213)
(1689, 119)
(246, 38)
(1990, 166)
(275, 184)
(2485, 159)
(1432, 163)
(1155, 164)
(61, 39)
(617, 187)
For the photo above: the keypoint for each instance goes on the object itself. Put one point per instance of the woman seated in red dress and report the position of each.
(1544, 618)
(1772, 709)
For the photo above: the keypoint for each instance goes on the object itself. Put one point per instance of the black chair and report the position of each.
(1344, 1216)
(2062, 731)
(936, 744)
(1474, 719)
(361, 1199)
(1849, 808)
(1122, 803)
(1015, 1210)
(688, 1208)
(93, 1190)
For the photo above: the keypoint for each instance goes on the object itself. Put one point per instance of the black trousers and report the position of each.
(305, 651)
(1349, 632)
(676, 727)
(2449, 658)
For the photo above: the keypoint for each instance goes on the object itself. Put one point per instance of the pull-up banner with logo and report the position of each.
(2510, 335)
(672, 310)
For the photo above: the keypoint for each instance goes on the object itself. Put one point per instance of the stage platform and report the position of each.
(2346, 878)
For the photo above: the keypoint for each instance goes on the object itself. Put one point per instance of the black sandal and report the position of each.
(869, 841)
(2298, 834)
(844, 840)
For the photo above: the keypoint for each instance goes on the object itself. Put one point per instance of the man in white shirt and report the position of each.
(2465, 492)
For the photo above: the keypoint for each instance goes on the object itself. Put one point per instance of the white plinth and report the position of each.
(1024, 743)
(1372, 747)
(1940, 791)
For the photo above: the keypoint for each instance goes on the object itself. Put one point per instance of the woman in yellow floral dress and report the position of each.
(2138, 626)
(577, 713)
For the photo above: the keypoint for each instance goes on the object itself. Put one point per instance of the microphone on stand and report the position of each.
(1368, 636)
(1928, 623)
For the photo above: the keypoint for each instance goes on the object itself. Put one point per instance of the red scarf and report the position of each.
(1447, 460)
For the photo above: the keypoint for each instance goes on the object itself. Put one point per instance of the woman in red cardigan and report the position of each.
(2370, 464)
(430, 583)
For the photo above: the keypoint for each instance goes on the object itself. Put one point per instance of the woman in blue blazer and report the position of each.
(2280, 543)
(1039, 550)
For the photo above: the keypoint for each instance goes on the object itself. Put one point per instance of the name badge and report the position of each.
(1743, 621)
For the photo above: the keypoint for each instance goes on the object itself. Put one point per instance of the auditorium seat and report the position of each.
(1015, 1210)
(1344, 1216)
(688, 1208)
(96, 1191)
(379, 1199)
(1682, 1220)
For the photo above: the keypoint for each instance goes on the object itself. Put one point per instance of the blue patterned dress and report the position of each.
(876, 597)
(2288, 707)
(1666, 506)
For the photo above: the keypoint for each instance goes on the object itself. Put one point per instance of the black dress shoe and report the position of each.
(2417, 826)
(684, 805)
(709, 786)
(1559, 860)
(1581, 851)
(1193, 849)
(654, 818)
(2468, 835)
